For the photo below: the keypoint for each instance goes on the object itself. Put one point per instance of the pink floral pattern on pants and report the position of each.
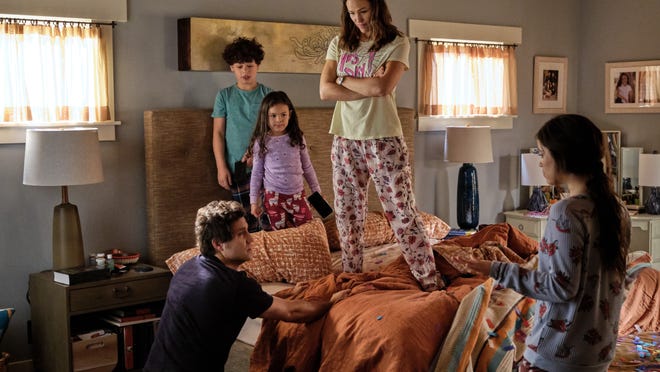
(282, 208)
(385, 161)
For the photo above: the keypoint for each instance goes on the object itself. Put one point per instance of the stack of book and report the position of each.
(136, 327)
(129, 316)
(81, 274)
(454, 233)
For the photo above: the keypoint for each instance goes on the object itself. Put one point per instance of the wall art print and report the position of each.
(289, 47)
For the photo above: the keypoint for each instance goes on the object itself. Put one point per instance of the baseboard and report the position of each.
(21, 366)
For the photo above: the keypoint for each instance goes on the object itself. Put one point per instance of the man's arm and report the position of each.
(224, 176)
(301, 311)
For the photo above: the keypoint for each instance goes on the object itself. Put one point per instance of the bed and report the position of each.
(387, 323)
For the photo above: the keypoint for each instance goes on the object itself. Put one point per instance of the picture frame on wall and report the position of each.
(632, 87)
(550, 77)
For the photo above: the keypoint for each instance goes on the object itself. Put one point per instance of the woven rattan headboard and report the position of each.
(181, 172)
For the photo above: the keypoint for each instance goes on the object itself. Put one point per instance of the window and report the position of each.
(466, 74)
(467, 80)
(55, 74)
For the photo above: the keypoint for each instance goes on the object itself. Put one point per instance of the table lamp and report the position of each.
(468, 145)
(63, 157)
(649, 175)
(531, 174)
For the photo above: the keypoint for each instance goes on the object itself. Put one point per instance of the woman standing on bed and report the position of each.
(363, 66)
(579, 282)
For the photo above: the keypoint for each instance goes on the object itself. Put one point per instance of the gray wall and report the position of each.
(614, 32)
(588, 32)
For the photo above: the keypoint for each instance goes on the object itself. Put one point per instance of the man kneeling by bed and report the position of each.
(208, 300)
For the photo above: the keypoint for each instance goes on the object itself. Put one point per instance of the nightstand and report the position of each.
(645, 231)
(56, 309)
(532, 226)
(646, 236)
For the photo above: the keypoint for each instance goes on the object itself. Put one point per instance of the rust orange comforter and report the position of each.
(641, 309)
(387, 323)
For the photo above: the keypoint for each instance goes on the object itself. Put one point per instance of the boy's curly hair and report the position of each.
(243, 50)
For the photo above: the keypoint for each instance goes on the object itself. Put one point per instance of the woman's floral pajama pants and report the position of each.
(385, 161)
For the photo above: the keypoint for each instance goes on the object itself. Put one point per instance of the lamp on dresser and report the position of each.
(468, 145)
(63, 157)
(649, 175)
(531, 174)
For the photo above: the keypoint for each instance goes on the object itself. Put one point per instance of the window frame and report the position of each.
(14, 132)
(459, 32)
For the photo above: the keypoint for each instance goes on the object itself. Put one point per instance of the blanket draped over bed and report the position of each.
(388, 323)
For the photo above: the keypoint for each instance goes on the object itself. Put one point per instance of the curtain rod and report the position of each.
(12, 19)
(464, 42)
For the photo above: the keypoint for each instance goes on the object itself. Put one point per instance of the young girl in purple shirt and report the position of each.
(280, 162)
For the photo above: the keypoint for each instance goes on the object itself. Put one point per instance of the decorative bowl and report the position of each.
(124, 258)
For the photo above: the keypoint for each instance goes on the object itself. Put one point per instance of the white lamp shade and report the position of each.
(531, 173)
(62, 157)
(468, 145)
(649, 169)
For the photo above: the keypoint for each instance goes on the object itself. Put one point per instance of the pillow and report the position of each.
(435, 227)
(290, 255)
(261, 273)
(176, 260)
(377, 230)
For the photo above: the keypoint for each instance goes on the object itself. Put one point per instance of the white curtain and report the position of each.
(52, 71)
(468, 80)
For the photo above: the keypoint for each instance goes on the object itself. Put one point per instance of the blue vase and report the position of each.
(467, 203)
(652, 205)
(537, 202)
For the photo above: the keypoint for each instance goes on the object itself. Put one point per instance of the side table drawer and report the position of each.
(120, 293)
(654, 243)
(531, 228)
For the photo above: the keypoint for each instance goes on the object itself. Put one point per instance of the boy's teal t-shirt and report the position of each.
(240, 109)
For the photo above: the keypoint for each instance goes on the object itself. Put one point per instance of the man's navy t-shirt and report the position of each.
(206, 307)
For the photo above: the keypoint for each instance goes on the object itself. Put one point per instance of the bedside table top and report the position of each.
(524, 213)
(130, 275)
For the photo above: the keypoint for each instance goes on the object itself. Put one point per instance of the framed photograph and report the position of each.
(550, 76)
(632, 87)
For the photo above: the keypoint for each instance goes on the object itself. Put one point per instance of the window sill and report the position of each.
(15, 132)
(437, 123)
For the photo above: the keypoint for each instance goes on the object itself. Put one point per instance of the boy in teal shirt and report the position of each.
(234, 117)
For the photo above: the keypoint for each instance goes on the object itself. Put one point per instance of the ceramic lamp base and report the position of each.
(67, 237)
(467, 202)
(537, 202)
(652, 204)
